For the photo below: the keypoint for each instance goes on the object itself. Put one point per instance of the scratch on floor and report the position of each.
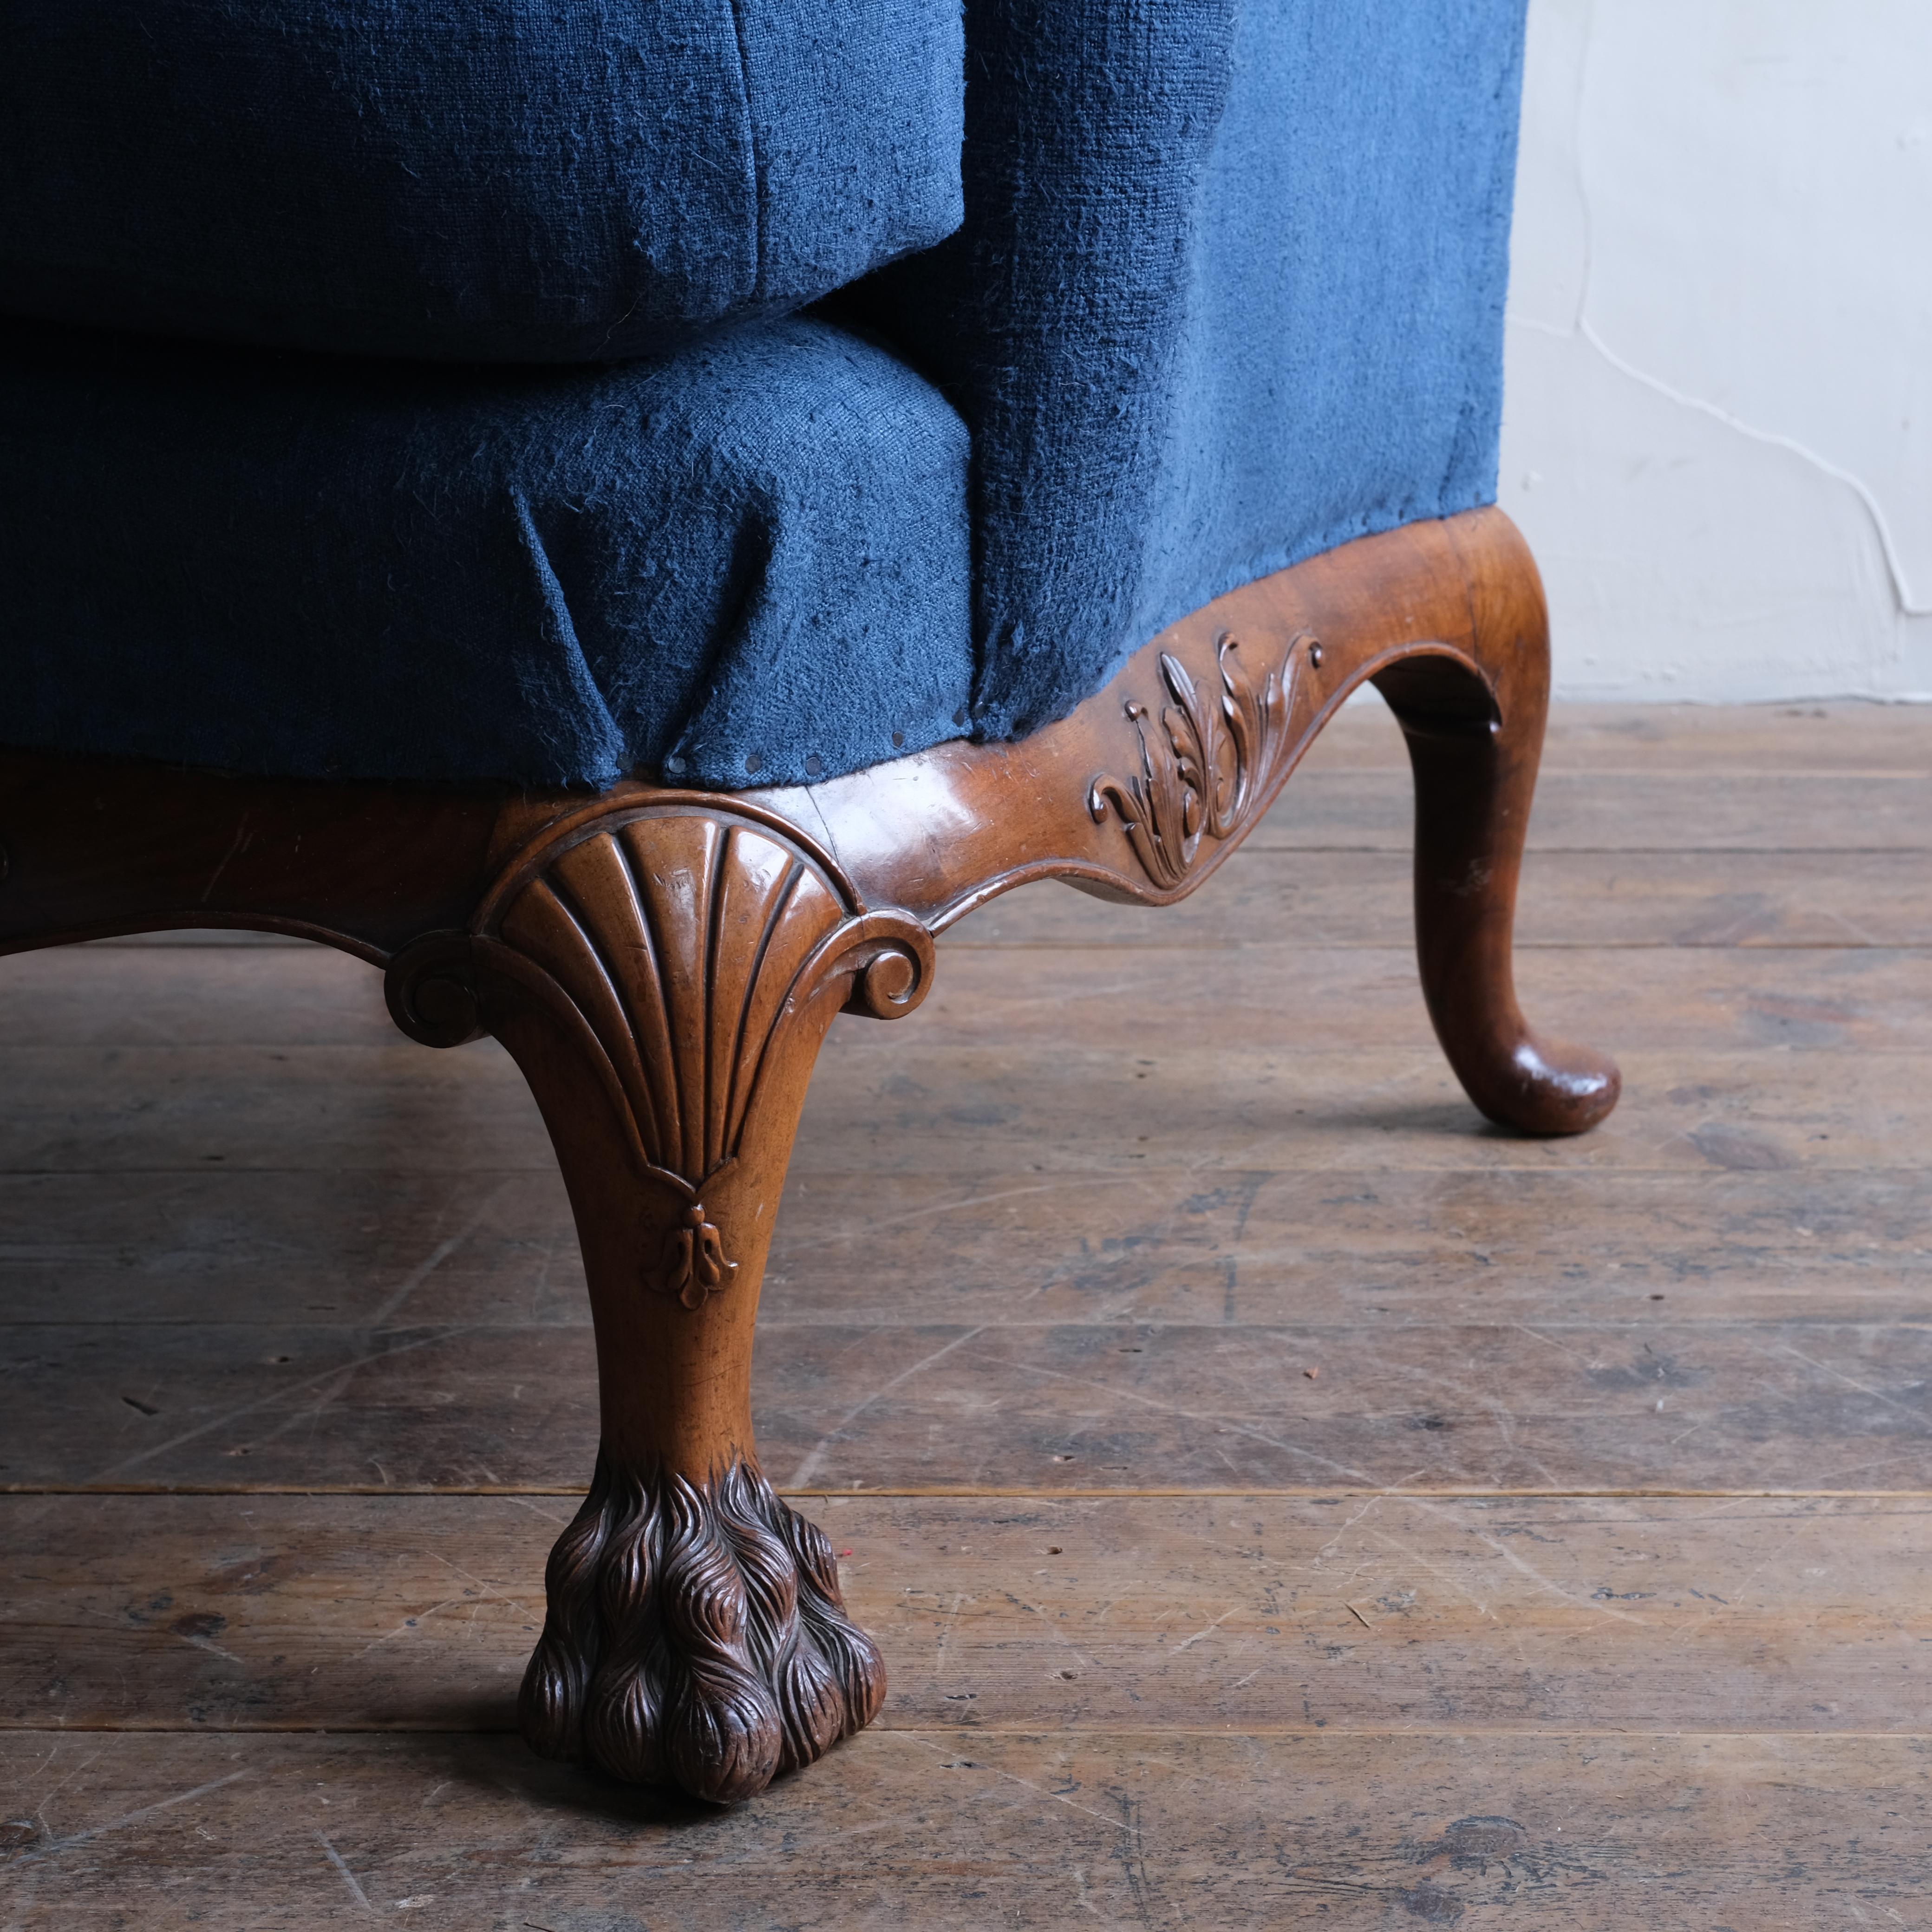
(1081, 1899)
(207, 1644)
(1346, 1469)
(946, 1631)
(489, 1590)
(1376, 1501)
(1549, 1341)
(1739, 1590)
(1448, 1513)
(1516, 1561)
(132, 1818)
(335, 1858)
(953, 1744)
(1206, 1630)
(279, 1395)
(537, 1509)
(1050, 1625)
(1451, 1581)
(48, 1797)
(803, 1474)
(1850, 1382)
(407, 1625)
(873, 1223)
(437, 1255)
(1505, 1421)
(1859, 932)
(307, 1416)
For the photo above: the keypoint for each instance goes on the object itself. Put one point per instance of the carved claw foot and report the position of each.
(696, 1636)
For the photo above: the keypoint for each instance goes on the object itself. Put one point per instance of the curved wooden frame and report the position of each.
(663, 965)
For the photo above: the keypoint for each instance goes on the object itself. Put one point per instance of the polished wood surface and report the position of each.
(1550, 1656)
(663, 965)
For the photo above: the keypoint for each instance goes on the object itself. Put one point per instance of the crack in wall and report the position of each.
(1582, 328)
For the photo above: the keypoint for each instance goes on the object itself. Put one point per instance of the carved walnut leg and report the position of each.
(1475, 761)
(663, 976)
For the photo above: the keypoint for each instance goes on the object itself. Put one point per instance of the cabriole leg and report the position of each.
(663, 977)
(1475, 758)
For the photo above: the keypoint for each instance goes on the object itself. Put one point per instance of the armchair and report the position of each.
(616, 517)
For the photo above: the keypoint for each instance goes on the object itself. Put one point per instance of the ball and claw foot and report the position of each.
(696, 1636)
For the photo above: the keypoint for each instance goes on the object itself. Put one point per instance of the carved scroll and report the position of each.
(1203, 765)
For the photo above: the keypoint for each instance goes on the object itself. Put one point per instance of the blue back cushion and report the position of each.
(496, 180)
(1229, 292)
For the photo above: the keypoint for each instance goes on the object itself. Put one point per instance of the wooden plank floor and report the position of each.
(1280, 1497)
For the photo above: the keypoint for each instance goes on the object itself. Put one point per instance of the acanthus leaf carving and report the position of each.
(1204, 764)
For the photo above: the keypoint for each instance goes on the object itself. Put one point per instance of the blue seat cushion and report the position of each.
(517, 180)
(1229, 292)
(745, 562)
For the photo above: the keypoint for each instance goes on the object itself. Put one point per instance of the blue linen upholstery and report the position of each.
(523, 180)
(1229, 292)
(743, 562)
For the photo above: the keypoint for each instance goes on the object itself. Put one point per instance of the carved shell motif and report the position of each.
(678, 939)
(1204, 765)
(678, 949)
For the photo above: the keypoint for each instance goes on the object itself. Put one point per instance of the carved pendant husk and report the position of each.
(696, 1636)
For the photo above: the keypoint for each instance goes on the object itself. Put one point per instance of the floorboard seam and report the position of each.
(1349, 1491)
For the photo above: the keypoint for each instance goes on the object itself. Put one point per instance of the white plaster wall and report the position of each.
(1717, 434)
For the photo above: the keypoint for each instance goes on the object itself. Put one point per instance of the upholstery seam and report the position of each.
(758, 266)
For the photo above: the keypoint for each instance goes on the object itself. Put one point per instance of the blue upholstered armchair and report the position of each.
(631, 516)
